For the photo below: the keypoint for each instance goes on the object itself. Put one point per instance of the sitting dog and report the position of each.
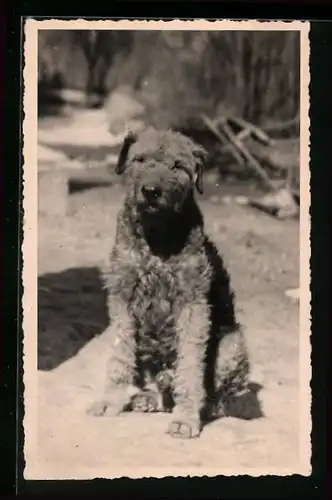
(170, 301)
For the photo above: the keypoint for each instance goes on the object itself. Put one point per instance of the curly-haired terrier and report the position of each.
(170, 301)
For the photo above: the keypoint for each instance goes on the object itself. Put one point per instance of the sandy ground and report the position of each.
(262, 256)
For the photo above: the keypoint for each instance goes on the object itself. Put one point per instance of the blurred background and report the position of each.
(178, 74)
(217, 87)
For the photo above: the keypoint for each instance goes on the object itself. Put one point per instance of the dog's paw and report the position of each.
(102, 407)
(145, 402)
(184, 428)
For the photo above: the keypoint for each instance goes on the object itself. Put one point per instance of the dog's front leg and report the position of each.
(121, 362)
(189, 395)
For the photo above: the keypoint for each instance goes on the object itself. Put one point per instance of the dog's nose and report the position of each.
(151, 193)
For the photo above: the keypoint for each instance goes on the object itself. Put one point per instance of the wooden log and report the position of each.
(247, 128)
(223, 139)
(248, 156)
(98, 176)
(256, 132)
(244, 134)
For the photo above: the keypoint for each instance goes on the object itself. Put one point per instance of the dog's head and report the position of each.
(163, 167)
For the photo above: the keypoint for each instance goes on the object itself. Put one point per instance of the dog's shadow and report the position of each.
(248, 406)
(72, 310)
(245, 407)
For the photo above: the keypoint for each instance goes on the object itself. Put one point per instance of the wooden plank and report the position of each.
(223, 139)
(252, 162)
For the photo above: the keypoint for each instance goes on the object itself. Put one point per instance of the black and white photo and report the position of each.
(166, 250)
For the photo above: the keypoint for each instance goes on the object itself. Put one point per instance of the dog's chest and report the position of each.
(156, 290)
(154, 305)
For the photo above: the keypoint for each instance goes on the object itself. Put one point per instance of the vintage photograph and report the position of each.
(166, 306)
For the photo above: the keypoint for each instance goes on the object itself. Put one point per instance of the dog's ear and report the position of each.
(127, 143)
(200, 155)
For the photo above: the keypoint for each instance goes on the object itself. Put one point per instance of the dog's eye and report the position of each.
(139, 158)
(181, 168)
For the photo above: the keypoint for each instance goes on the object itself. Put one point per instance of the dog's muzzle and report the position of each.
(151, 194)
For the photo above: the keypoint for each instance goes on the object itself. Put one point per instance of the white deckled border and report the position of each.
(30, 230)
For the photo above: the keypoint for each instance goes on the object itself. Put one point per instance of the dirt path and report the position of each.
(262, 255)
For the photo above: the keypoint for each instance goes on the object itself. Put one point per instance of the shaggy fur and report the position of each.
(169, 294)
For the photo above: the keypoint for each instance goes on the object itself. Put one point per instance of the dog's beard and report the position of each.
(163, 211)
(165, 206)
(154, 215)
(166, 225)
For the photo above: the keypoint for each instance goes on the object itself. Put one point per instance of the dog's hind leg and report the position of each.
(234, 396)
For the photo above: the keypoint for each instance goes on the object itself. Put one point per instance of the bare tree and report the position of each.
(100, 48)
(255, 75)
